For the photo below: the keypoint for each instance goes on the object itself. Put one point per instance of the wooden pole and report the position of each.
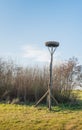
(49, 91)
(50, 85)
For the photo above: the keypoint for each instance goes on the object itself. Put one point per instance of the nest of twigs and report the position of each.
(52, 44)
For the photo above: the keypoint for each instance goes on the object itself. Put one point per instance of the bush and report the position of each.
(29, 84)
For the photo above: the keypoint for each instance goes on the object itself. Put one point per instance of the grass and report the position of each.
(28, 117)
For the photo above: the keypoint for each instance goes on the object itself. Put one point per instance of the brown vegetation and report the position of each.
(29, 84)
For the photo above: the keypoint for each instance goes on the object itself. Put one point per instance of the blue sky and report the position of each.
(26, 24)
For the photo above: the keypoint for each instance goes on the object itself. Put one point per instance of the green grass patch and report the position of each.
(28, 117)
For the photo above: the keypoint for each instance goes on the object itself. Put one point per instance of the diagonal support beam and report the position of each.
(54, 99)
(42, 98)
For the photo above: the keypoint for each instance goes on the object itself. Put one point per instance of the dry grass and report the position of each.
(24, 117)
(30, 83)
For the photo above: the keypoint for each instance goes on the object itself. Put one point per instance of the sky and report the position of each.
(25, 25)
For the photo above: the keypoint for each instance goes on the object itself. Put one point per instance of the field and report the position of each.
(28, 117)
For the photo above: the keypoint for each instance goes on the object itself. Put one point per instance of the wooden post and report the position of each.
(50, 85)
(50, 45)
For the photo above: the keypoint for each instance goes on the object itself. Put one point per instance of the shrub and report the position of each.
(29, 84)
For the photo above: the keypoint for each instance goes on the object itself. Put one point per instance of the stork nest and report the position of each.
(52, 44)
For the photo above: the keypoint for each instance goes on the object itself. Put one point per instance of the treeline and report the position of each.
(30, 83)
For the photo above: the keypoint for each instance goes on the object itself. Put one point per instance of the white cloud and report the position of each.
(36, 53)
(30, 54)
(40, 55)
